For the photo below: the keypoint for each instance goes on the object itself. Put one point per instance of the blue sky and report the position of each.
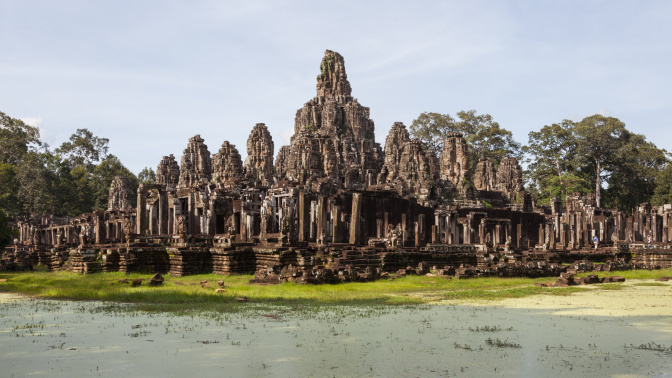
(148, 75)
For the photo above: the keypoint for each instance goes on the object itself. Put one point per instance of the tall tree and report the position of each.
(431, 129)
(35, 184)
(6, 233)
(8, 189)
(147, 176)
(484, 136)
(102, 177)
(633, 177)
(662, 192)
(552, 165)
(599, 139)
(84, 149)
(16, 138)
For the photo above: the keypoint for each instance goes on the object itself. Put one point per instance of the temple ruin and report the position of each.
(334, 205)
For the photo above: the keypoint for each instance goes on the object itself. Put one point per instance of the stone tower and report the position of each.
(454, 159)
(121, 194)
(259, 161)
(485, 176)
(168, 172)
(335, 114)
(227, 164)
(510, 176)
(196, 165)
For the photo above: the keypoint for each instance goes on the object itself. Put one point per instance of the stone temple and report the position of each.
(334, 205)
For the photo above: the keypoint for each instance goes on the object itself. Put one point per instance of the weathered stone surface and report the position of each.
(332, 80)
(407, 166)
(227, 164)
(509, 177)
(196, 165)
(455, 160)
(485, 177)
(281, 162)
(259, 161)
(335, 114)
(311, 156)
(121, 194)
(168, 172)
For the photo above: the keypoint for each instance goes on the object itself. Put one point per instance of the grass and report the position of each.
(193, 298)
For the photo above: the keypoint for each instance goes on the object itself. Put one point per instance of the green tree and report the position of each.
(662, 193)
(8, 189)
(633, 177)
(147, 176)
(102, 177)
(486, 138)
(552, 165)
(599, 140)
(6, 233)
(483, 135)
(84, 149)
(35, 184)
(16, 138)
(431, 129)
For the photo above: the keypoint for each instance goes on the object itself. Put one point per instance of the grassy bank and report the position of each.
(190, 296)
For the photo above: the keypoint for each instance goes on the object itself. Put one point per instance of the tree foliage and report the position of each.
(483, 135)
(147, 176)
(565, 158)
(16, 139)
(6, 233)
(662, 192)
(84, 149)
(553, 168)
(102, 177)
(599, 140)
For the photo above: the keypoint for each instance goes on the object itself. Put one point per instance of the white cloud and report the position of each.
(286, 135)
(32, 121)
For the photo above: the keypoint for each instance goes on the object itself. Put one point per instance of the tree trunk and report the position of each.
(598, 182)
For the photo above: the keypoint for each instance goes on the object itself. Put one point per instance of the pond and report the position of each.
(607, 333)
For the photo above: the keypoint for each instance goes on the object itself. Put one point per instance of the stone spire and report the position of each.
(121, 194)
(168, 172)
(333, 113)
(281, 162)
(485, 176)
(510, 176)
(227, 164)
(394, 146)
(196, 163)
(259, 161)
(332, 80)
(454, 159)
(406, 163)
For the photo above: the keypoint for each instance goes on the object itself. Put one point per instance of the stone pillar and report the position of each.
(141, 216)
(481, 231)
(404, 234)
(99, 227)
(416, 234)
(321, 219)
(303, 217)
(420, 231)
(336, 224)
(355, 219)
(163, 212)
